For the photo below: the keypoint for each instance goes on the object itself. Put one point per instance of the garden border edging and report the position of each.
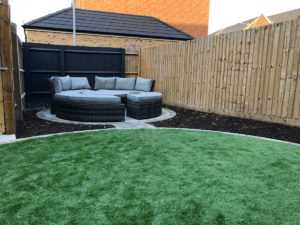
(166, 128)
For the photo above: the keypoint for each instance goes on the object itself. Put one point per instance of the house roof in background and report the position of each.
(289, 15)
(88, 21)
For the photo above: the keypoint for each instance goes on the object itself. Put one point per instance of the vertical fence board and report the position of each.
(277, 68)
(222, 97)
(284, 68)
(264, 71)
(259, 69)
(250, 42)
(294, 70)
(288, 83)
(229, 69)
(254, 70)
(296, 112)
(267, 70)
(272, 67)
(241, 71)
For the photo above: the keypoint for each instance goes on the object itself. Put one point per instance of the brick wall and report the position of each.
(190, 16)
(64, 38)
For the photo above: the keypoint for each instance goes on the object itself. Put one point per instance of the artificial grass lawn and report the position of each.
(149, 177)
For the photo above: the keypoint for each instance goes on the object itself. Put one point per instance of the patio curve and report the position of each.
(129, 122)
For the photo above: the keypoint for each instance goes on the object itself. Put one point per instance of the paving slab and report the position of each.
(7, 138)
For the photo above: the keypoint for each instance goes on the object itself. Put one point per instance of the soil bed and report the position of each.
(209, 121)
(33, 126)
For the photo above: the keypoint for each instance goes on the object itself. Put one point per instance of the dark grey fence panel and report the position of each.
(42, 61)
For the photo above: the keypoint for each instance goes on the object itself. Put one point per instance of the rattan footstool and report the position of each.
(144, 105)
(89, 107)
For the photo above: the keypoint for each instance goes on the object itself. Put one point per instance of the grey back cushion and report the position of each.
(65, 83)
(143, 84)
(107, 83)
(79, 83)
(56, 84)
(125, 83)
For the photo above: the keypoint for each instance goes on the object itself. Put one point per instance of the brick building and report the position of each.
(190, 16)
(106, 29)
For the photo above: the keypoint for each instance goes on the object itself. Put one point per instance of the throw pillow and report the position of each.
(105, 83)
(65, 83)
(79, 83)
(143, 84)
(125, 83)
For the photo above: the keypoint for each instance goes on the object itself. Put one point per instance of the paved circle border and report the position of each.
(166, 114)
(158, 128)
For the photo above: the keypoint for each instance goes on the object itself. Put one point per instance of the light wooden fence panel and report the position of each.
(132, 63)
(249, 74)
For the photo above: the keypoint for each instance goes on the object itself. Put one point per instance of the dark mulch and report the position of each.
(33, 126)
(209, 121)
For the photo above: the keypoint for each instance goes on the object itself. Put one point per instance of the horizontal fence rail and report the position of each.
(249, 74)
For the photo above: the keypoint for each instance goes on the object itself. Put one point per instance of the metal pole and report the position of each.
(74, 23)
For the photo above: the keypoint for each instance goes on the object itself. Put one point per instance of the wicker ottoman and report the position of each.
(144, 105)
(89, 108)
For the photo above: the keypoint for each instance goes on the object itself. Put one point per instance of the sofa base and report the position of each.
(146, 110)
(90, 112)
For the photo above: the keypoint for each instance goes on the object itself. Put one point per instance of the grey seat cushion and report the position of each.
(143, 84)
(71, 93)
(144, 97)
(119, 93)
(125, 83)
(56, 84)
(65, 82)
(79, 83)
(105, 83)
(78, 97)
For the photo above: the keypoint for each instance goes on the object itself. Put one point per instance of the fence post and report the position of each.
(26, 58)
(7, 61)
(62, 60)
(16, 65)
(123, 62)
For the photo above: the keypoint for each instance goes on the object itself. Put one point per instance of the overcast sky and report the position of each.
(223, 13)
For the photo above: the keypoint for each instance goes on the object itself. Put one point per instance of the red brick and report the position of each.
(190, 16)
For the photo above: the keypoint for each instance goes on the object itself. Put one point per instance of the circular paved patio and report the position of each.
(128, 123)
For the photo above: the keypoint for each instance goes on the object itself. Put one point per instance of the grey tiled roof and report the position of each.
(108, 23)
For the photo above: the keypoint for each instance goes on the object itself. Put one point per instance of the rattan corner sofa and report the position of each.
(103, 99)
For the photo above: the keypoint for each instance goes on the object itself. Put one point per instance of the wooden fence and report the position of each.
(132, 63)
(7, 103)
(41, 61)
(249, 74)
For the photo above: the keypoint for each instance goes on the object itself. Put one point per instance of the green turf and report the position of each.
(149, 177)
